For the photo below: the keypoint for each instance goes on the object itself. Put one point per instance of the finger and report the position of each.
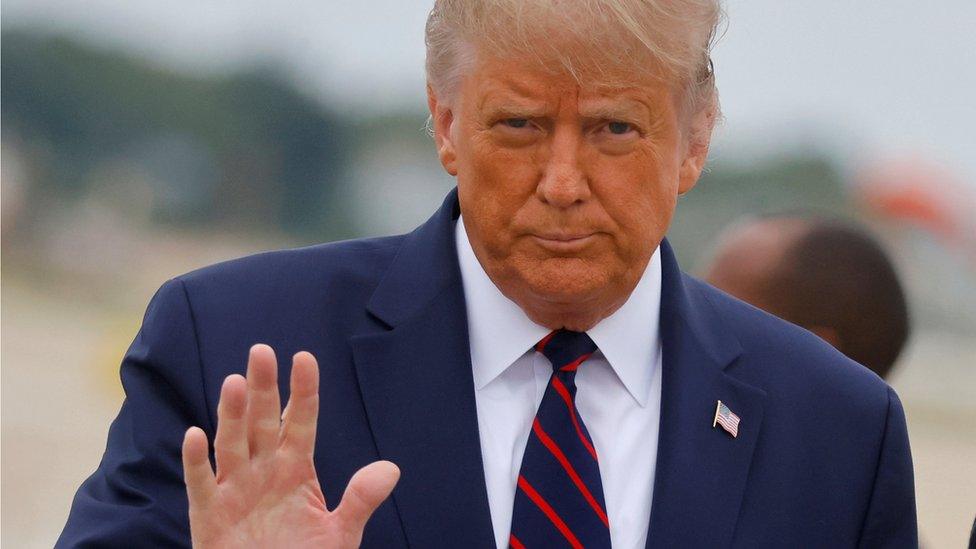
(263, 402)
(298, 425)
(230, 444)
(367, 489)
(197, 473)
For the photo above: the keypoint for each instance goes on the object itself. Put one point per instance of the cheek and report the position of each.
(498, 181)
(507, 168)
(639, 194)
(494, 186)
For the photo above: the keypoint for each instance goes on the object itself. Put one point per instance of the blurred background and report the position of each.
(143, 139)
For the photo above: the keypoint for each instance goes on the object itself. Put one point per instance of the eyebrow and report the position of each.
(604, 110)
(625, 109)
(512, 104)
(512, 96)
(515, 110)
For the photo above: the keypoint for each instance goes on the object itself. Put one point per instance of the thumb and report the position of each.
(367, 489)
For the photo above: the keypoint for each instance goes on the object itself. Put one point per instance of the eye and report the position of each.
(616, 137)
(516, 122)
(619, 128)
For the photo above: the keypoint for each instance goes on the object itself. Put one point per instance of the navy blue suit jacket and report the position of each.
(821, 460)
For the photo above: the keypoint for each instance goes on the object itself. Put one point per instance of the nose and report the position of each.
(563, 182)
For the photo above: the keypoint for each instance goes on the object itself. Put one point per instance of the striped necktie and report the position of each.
(559, 497)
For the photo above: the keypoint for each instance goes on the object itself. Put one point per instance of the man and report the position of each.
(453, 351)
(829, 277)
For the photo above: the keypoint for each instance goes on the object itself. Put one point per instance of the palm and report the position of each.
(277, 503)
(266, 492)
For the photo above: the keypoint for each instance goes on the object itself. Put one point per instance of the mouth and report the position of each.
(564, 242)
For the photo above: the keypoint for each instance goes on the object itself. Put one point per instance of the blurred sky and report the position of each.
(867, 80)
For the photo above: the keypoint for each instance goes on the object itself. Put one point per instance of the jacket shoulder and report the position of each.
(357, 263)
(790, 360)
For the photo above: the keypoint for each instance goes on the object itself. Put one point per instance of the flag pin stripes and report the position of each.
(725, 418)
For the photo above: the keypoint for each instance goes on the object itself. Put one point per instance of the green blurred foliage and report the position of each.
(727, 191)
(245, 149)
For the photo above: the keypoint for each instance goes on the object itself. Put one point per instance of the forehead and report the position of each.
(493, 80)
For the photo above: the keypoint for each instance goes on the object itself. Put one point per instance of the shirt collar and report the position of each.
(500, 332)
(630, 337)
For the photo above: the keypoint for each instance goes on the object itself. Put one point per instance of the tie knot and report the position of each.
(566, 350)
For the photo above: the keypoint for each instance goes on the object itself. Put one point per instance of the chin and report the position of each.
(567, 280)
(568, 292)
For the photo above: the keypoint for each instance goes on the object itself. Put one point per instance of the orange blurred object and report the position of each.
(918, 192)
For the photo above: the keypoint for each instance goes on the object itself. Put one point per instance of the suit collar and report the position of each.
(415, 379)
(683, 303)
(701, 470)
(425, 266)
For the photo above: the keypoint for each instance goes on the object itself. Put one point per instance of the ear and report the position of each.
(699, 136)
(442, 118)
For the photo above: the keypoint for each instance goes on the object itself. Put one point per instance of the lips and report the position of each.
(563, 237)
(564, 243)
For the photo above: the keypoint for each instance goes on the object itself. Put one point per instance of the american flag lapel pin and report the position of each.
(725, 418)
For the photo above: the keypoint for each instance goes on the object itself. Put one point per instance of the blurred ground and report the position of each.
(63, 338)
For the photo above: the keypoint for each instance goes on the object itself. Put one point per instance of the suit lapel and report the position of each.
(701, 471)
(416, 382)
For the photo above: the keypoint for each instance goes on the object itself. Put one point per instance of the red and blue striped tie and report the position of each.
(559, 498)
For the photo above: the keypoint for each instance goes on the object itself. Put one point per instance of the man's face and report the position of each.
(565, 189)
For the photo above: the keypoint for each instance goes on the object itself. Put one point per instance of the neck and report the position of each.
(578, 315)
(562, 317)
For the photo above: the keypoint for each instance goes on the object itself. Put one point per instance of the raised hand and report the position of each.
(265, 492)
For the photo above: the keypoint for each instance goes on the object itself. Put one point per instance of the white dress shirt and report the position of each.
(618, 394)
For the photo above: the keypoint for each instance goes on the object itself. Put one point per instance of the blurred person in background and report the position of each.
(830, 277)
(453, 351)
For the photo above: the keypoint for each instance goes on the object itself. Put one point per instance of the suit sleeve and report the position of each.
(891, 518)
(136, 497)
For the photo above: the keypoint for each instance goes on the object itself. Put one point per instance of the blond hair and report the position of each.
(623, 40)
